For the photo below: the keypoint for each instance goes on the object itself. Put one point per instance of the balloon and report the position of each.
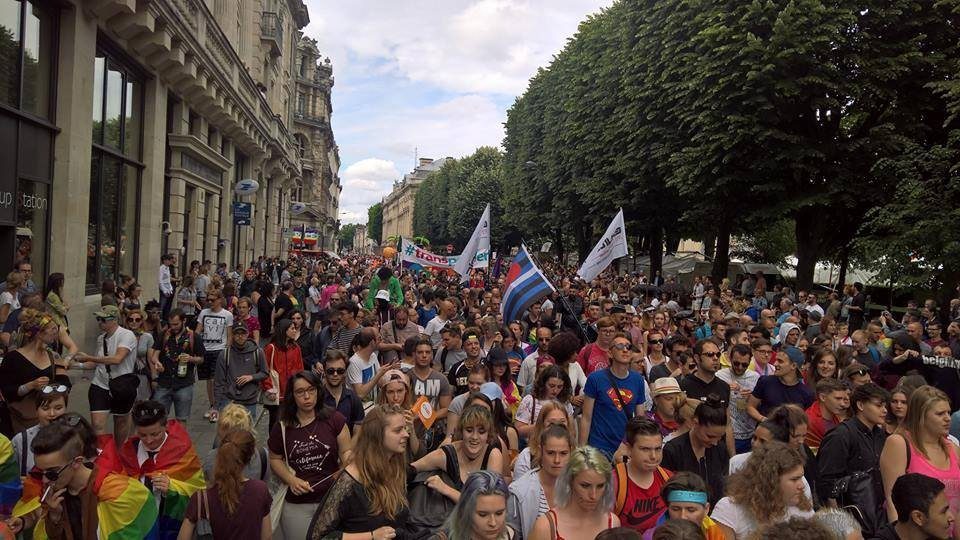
(389, 252)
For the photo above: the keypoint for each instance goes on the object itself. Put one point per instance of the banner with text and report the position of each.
(414, 254)
(612, 246)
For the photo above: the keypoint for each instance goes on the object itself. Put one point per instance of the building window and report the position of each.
(27, 40)
(115, 171)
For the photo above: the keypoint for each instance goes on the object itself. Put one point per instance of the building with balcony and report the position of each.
(126, 124)
(398, 204)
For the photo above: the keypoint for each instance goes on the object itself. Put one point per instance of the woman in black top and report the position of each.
(264, 300)
(30, 367)
(370, 496)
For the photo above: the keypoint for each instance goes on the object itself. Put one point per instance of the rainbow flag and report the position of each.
(126, 510)
(11, 486)
(177, 460)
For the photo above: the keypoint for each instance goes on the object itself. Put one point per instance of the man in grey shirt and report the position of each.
(452, 350)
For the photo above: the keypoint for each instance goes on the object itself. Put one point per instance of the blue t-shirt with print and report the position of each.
(609, 421)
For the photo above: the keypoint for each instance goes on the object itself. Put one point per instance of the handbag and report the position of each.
(279, 488)
(127, 383)
(203, 530)
(855, 494)
(272, 398)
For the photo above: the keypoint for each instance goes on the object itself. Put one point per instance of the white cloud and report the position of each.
(364, 184)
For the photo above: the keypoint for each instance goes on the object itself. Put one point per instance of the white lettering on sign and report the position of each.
(6, 199)
(33, 202)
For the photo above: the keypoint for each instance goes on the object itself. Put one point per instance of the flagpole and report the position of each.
(536, 260)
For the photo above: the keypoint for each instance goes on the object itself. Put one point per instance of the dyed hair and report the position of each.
(481, 483)
(477, 416)
(232, 418)
(585, 458)
(381, 473)
(234, 454)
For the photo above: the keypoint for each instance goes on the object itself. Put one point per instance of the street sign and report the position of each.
(242, 212)
(449, 248)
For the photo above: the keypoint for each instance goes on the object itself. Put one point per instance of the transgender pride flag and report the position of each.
(524, 284)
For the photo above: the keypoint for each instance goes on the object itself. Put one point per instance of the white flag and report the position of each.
(479, 243)
(612, 245)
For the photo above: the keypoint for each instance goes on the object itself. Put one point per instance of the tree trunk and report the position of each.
(721, 259)
(673, 242)
(656, 251)
(709, 246)
(558, 240)
(844, 266)
(808, 247)
(642, 245)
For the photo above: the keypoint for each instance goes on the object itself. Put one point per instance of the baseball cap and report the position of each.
(240, 327)
(393, 375)
(492, 390)
(664, 386)
(383, 294)
(497, 356)
(107, 312)
(795, 355)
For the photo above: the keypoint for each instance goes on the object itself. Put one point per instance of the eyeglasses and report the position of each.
(335, 371)
(859, 372)
(763, 352)
(621, 347)
(50, 475)
(303, 392)
(710, 354)
(655, 341)
(134, 319)
(49, 389)
(740, 364)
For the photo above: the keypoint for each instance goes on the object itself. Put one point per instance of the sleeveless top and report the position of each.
(453, 463)
(552, 519)
(918, 463)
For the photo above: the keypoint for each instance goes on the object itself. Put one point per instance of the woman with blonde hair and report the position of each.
(583, 498)
(395, 390)
(369, 498)
(922, 447)
(26, 370)
(234, 418)
(10, 297)
(552, 413)
(768, 489)
(235, 505)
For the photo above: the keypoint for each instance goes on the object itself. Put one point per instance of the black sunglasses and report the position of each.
(335, 371)
(50, 475)
(740, 364)
(654, 341)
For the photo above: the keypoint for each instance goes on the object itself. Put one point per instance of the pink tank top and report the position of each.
(950, 476)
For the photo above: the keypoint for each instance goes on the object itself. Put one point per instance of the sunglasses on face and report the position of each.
(655, 341)
(134, 319)
(146, 413)
(740, 364)
(335, 371)
(710, 354)
(621, 347)
(50, 475)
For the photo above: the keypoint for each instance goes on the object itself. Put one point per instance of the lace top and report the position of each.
(346, 509)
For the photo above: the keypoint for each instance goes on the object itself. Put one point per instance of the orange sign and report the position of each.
(424, 411)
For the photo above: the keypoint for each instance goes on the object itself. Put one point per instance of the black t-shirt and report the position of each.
(171, 346)
(457, 377)
(697, 389)
(284, 303)
(678, 456)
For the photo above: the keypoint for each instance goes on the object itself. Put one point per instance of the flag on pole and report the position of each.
(524, 284)
(612, 245)
(479, 243)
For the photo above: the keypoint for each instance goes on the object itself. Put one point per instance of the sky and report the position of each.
(428, 78)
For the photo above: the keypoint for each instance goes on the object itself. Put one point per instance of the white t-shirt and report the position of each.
(433, 330)
(361, 371)
(6, 297)
(215, 324)
(529, 409)
(120, 338)
(738, 461)
(741, 521)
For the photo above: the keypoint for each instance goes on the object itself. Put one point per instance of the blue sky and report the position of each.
(436, 76)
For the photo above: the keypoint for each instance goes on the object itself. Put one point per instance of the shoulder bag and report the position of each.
(203, 530)
(272, 398)
(616, 389)
(279, 488)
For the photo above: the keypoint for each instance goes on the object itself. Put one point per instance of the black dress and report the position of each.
(346, 509)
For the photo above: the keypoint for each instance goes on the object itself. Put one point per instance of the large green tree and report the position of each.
(346, 235)
(375, 222)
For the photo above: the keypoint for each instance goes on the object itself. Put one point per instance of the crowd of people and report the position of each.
(401, 404)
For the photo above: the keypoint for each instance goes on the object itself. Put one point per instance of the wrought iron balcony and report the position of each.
(271, 31)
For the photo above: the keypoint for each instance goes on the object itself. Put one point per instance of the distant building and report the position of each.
(361, 242)
(398, 205)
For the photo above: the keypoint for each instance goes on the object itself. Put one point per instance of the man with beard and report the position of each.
(394, 333)
(249, 283)
(742, 382)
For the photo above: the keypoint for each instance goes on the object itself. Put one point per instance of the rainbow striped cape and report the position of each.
(178, 460)
(126, 509)
(10, 483)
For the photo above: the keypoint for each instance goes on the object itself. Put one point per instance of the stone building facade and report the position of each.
(398, 204)
(126, 124)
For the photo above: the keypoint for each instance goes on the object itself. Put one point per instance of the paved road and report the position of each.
(201, 431)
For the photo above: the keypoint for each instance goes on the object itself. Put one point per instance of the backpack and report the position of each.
(623, 479)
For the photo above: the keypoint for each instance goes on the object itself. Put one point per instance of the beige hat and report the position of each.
(393, 375)
(664, 386)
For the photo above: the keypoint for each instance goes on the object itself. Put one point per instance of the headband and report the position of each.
(31, 330)
(697, 497)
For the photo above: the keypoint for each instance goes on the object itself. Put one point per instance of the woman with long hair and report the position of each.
(552, 413)
(823, 364)
(10, 297)
(472, 449)
(481, 513)
(899, 398)
(236, 506)
(186, 300)
(583, 499)
(395, 392)
(282, 355)
(769, 489)
(307, 447)
(134, 323)
(235, 417)
(552, 383)
(500, 374)
(369, 499)
(563, 348)
(56, 306)
(923, 447)
(263, 298)
(534, 491)
(30, 367)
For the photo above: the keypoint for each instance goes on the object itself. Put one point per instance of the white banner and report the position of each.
(479, 243)
(612, 245)
(412, 253)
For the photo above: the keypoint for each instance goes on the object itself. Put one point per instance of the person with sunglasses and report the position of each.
(338, 395)
(612, 397)
(51, 403)
(134, 322)
(78, 489)
(742, 382)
